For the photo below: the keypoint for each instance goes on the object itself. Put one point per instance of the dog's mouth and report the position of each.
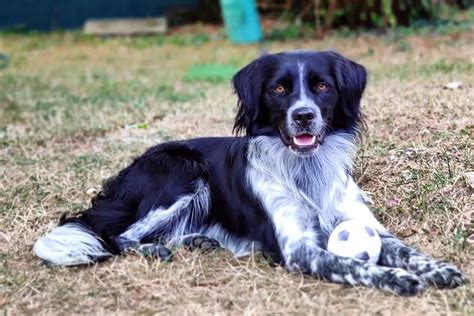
(304, 140)
(305, 143)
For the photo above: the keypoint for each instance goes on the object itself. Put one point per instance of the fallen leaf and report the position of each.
(393, 202)
(3, 301)
(469, 177)
(453, 85)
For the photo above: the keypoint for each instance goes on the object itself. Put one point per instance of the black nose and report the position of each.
(303, 116)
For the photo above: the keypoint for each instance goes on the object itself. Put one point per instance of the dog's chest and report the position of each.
(309, 188)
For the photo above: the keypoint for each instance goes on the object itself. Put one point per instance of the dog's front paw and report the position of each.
(444, 276)
(403, 283)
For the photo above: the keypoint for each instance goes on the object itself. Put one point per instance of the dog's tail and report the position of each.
(71, 244)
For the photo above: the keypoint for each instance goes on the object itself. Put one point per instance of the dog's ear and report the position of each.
(248, 85)
(351, 79)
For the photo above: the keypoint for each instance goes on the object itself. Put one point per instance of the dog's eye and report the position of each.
(279, 89)
(321, 86)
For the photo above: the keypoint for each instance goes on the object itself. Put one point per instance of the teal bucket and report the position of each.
(241, 20)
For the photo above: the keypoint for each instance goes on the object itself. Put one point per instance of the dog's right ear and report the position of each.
(248, 85)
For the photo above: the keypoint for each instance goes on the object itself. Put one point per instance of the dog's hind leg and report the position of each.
(161, 195)
(178, 221)
(182, 218)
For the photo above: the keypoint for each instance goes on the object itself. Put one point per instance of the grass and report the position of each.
(74, 110)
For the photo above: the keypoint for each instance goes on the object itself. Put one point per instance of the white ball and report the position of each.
(355, 239)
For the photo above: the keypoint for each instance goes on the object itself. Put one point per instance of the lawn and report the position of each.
(74, 110)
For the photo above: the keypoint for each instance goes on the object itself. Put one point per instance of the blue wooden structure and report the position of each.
(69, 14)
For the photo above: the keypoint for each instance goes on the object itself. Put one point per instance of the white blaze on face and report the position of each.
(303, 96)
(304, 102)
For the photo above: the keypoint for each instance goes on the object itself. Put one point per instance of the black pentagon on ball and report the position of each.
(370, 231)
(343, 235)
(363, 256)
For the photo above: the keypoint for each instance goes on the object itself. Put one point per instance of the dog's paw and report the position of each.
(444, 276)
(155, 250)
(200, 242)
(403, 283)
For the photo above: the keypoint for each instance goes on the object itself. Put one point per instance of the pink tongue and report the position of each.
(304, 140)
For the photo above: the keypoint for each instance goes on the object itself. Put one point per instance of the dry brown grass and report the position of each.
(64, 104)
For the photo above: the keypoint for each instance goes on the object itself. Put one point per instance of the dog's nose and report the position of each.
(303, 116)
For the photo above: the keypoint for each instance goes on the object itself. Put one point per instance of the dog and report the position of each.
(280, 188)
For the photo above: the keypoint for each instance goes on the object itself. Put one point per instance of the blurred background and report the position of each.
(244, 19)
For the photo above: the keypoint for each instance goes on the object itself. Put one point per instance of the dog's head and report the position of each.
(300, 96)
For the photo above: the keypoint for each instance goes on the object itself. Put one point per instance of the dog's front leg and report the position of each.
(319, 262)
(298, 240)
(396, 254)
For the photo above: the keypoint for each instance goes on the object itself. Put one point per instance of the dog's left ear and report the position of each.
(248, 85)
(351, 79)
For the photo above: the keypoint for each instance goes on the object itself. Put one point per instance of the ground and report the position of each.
(75, 110)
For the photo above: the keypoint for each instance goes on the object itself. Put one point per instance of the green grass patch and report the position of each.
(211, 73)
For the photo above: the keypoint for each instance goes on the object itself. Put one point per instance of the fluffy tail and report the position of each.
(70, 244)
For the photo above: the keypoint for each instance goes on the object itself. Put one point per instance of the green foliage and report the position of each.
(328, 14)
(403, 46)
(287, 32)
(4, 60)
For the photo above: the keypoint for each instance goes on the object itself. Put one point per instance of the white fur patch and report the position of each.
(238, 246)
(304, 102)
(303, 96)
(312, 185)
(181, 218)
(70, 244)
(353, 206)
(298, 192)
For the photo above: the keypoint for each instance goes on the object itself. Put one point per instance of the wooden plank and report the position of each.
(125, 26)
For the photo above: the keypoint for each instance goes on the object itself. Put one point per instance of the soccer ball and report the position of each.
(355, 239)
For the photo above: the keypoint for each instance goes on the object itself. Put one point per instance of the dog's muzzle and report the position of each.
(305, 130)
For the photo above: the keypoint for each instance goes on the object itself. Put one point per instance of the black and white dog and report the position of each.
(280, 189)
